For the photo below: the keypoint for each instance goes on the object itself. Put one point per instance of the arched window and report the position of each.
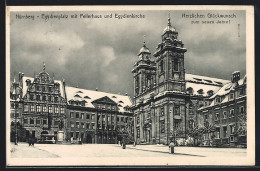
(161, 65)
(175, 65)
(191, 124)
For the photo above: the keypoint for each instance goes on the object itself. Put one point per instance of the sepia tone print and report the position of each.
(142, 85)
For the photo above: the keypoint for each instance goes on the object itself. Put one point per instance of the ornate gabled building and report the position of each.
(166, 99)
(42, 104)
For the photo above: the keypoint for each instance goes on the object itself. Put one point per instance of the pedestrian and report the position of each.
(171, 147)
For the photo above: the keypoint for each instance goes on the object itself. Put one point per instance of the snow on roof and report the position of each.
(196, 87)
(228, 87)
(25, 87)
(205, 80)
(203, 84)
(92, 95)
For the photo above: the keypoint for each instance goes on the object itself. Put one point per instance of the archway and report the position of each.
(89, 139)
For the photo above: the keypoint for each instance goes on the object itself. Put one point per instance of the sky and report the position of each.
(100, 52)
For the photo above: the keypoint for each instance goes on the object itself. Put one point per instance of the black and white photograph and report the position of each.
(130, 86)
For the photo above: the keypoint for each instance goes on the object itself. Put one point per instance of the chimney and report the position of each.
(235, 77)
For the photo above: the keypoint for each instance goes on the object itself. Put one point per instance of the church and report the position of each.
(170, 104)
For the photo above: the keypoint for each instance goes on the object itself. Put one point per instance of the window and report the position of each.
(32, 109)
(232, 129)
(88, 125)
(77, 124)
(191, 124)
(43, 89)
(62, 110)
(49, 98)
(77, 135)
(12, 105)
(50, 109)
(108, 118)
(217, 133)
(87, 116)
(38, 88)
(161, 66)
(176, 124)
(56, 99)
(162, 126)
(113, 107)
(242, 110)
(44, 121)
(217, 116)
(231, 139)
(117, 118)
(77, 114)
(206, 117)
(38, 108)
(44, 98)
(71, 124)
(225, 131)
(82, 115)
(218, 99)
(71, 115)
(224, 115)
(231, 96)
(92, 117)
(44, 108)
(93, 126)
(242, 92)
(177, 110)
(56, 109)
(25, 121)
(82, 125)
(31, 97)
(25, 108)
(232, 113)
(176, 68)
(38, 97)
(112, 118)
(122, 119)
(50, 89)
(31, 121)
(38, 121)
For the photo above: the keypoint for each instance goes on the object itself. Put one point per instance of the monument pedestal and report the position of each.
(60, 137)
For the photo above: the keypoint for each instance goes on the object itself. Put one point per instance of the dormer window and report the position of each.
(28, 82)
(200, 91)
(79, 92)
(77, 96)
(190, 90)
(114, 97)
(86, 97)
(120, 101)
(210, 92)
(218, 99)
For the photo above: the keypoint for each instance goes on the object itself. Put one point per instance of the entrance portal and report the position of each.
(89, 139)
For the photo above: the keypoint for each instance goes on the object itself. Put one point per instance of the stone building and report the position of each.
(97, 117)
(226, 112)
(42, 104)
(166, 99)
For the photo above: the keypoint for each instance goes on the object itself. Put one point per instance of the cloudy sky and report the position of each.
(100, 53)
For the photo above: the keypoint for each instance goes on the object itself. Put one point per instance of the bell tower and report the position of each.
(144, 72)
(170, 74)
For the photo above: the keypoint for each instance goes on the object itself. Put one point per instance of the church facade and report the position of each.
(167, 100)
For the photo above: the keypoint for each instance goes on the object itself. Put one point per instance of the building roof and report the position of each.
(144, 49)
(201, 85)
(79, 94)
(228, 87)
(169, 27)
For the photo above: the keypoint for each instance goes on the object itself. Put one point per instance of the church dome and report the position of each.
(144, 49)
(169, 27)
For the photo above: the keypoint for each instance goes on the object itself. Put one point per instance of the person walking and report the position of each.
(171, 147)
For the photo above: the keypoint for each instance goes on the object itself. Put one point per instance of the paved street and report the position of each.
(141, 154)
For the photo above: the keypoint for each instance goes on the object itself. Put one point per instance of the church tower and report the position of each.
(144, 72)
(170, 61)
